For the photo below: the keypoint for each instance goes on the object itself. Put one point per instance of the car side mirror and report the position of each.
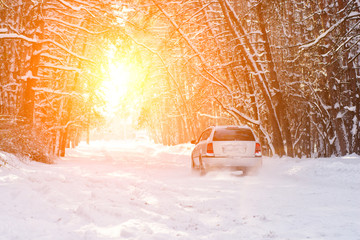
(193, 141)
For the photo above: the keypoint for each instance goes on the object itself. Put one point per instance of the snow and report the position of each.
(29, 75)
(140, 190)
(354, 129)
(351, 109)
(324, 34)
(16, 36)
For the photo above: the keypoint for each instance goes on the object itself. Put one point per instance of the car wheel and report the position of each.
(202, 166)
(251, 171)
(193, 166)
(255, 170)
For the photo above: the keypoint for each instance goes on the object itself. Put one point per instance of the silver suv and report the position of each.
(232, 147)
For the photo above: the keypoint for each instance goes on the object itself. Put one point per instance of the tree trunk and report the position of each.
(259, 75)
(280, 106)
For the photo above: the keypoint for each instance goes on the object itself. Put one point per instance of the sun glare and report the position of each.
(116, 86)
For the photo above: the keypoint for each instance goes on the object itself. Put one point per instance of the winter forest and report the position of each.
(289, 69)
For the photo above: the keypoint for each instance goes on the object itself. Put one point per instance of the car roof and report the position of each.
(231, 126)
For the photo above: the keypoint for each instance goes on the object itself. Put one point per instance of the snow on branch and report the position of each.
(189, 43)
(46, 55)
(65, 68)
(164, 64)
(58, 92)
(250, 54)
(31, 40)
(67, 50)
(68, 5)
(210, 116)
(3, 3)
(237, 114)
(323, 35)
(197, 13)
(17, 36)
(75, 26)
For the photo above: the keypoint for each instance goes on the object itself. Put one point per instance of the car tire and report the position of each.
(193, 166)
(202, 167)
(252, 171)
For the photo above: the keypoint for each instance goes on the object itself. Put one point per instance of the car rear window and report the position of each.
(233, 134)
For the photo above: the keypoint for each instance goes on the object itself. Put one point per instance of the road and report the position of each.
(138, 190)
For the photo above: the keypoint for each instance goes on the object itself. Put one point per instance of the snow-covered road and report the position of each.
(137, 190)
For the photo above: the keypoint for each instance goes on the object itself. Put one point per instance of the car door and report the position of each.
(196, 150)
(200, 147)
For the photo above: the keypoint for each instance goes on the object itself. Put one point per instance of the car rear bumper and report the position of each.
(232, 162)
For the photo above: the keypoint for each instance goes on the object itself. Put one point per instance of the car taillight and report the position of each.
(257, 150)
(210, 148)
